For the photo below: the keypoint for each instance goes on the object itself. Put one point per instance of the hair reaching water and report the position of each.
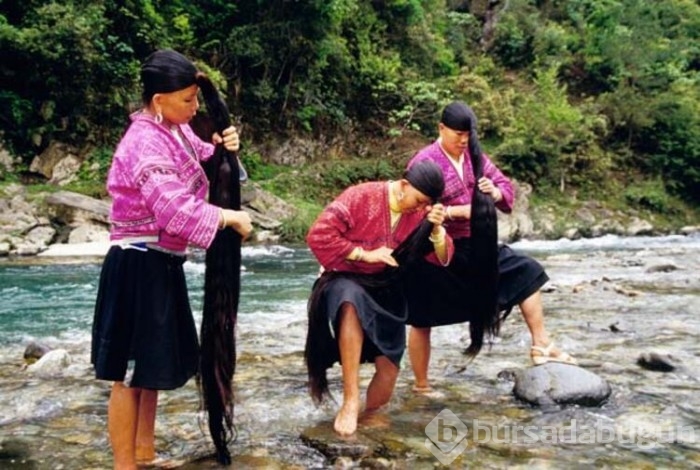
(427, 178)
(221, 286)
(484, 252)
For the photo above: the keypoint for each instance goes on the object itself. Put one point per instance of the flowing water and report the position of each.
(608, 301)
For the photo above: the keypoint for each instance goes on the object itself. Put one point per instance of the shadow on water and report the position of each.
(605, 305)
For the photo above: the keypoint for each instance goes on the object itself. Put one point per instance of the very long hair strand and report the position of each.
(484, 257)
(221, 287)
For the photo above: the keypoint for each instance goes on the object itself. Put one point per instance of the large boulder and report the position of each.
(59, 163)
(557, 383)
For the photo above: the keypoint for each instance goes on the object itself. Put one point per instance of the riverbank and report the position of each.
(49, 224)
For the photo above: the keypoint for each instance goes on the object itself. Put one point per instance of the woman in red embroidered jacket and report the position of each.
(365, 240)
(143, 337)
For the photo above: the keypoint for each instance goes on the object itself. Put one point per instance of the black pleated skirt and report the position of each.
(442, 295)
(382, 313)
(143, 321)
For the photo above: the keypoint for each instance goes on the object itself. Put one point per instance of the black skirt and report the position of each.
(441, 295)
(143, 321)
(381, 311)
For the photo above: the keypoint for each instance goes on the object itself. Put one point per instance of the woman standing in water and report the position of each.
(365, 240)
(144, 337)
(485, 280)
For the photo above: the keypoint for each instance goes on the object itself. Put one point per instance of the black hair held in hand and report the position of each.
(222, 281)
(484, 235)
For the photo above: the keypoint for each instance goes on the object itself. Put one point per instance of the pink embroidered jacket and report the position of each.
(458, 192)
(360, 216)
(159, 189)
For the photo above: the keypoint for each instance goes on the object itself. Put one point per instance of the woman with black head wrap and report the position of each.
(484, 281)
(143, 336)
(366, 240)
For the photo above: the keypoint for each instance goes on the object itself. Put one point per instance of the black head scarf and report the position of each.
(426, 177)
(166, 71)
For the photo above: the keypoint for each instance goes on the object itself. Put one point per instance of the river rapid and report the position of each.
(608, 301)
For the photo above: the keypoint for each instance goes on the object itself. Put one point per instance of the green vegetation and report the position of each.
(576, 97)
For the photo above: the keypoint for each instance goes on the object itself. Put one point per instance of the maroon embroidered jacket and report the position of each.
(360, 216)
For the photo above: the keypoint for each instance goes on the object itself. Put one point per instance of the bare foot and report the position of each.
(377, 419)
(346, 419)
(160, 462)
(145, 455)
(428, 391)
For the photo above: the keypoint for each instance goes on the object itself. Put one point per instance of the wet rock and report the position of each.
(324, 439)
(627, 292)
(35, 351)
(556, 383)
(377, 463)
(662, 268)
(343, 462)
(657, 362)
(51, 364)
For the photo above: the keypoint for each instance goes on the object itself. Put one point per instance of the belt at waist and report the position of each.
(144, 243)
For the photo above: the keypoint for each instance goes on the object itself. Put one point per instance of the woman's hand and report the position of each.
(239, 221)
(436, 214)
(486, 186)
(230, 139)
(379, 255)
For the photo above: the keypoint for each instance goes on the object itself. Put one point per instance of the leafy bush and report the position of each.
(649, 195)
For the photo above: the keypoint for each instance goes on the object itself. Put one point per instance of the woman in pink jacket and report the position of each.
(485, 280)
(144, 337)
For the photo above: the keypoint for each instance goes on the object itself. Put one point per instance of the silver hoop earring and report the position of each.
(159, 118)
(401, 196)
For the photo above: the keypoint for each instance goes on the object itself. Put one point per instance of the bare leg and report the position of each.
(350, 337)
(382, 385)
(419, 355)
(533, 313)
(122, 418)
(145, 430)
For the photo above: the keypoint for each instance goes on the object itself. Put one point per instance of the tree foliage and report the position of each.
(566, 91)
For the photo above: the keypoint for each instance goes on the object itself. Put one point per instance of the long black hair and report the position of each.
(221, 285)
(483, 269)
(320, 351)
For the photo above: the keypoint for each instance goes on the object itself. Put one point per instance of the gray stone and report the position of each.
(51, 364)
(49, 158)
(35, 351)
(556, 383)
(657, 362)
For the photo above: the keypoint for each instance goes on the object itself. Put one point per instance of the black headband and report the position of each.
(426, 177)
(166, 71)
(458, 116)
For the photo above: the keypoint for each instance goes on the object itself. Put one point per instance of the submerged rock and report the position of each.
(35, 351)
(556, 383)
(51, 364)
(657, 362)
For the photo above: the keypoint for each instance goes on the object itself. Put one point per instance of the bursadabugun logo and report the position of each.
(446, 436)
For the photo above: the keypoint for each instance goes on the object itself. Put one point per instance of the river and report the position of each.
(608, 301)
